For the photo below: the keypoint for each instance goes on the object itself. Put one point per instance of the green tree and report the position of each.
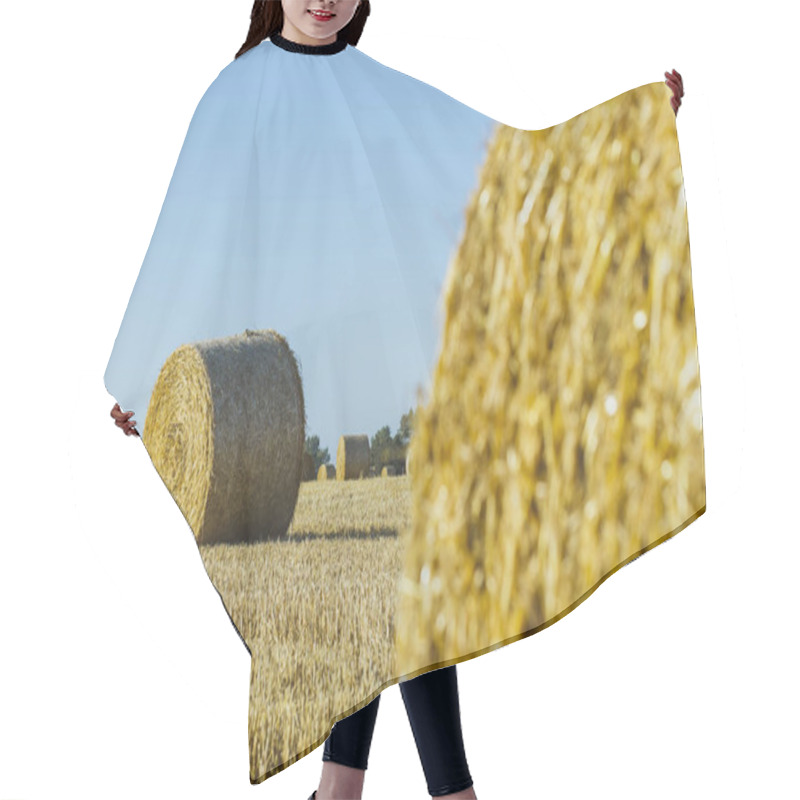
(403, 435)
(320, 456)
(388, 450)
(381, 448)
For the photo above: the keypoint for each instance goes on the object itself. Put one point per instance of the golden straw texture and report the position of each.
(326, 472)
(352, 457)
(225, 429)
(563, 435)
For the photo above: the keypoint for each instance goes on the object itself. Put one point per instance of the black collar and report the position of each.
(309, 49)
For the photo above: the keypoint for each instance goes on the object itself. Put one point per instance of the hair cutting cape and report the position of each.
(419, 381)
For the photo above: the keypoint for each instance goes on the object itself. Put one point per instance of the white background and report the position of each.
(120, 673)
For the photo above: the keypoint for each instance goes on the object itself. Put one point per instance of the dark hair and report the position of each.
(266, 18)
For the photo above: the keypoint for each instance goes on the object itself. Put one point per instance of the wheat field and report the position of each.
(317, 610)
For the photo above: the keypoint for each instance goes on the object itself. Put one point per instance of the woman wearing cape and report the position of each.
(293, 285)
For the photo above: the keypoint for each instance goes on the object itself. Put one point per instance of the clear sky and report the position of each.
(320, 196)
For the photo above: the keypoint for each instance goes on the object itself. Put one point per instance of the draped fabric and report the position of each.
(419, 381)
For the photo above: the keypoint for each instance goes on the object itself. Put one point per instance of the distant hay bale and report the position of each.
(326, 472)
(388, 471)
(309, 473)
(563, 434)
(225, 429)
(352, 457)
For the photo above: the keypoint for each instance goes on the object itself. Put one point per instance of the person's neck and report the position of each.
(294, 34)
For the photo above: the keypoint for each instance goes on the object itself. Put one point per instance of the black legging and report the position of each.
(432, 706)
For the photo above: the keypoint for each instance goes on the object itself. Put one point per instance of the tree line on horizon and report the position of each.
(384, 449)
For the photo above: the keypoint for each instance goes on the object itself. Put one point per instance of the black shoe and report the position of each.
(313, 795)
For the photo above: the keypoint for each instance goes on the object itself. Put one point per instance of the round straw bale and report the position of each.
(388, 471)
(563, 435)
(326, 472)
(352, 457)
(309, 473)
(225, 429)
